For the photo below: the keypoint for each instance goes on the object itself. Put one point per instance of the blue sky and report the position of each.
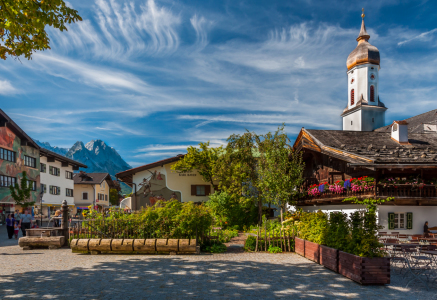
(152, 77)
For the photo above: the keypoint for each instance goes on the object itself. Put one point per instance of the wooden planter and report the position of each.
(329, 258)
(364, 270)
(312, 251)
(299, 246)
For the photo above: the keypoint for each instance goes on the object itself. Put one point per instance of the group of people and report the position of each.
(17, 221)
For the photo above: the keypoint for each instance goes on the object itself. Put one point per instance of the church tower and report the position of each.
(364, 111)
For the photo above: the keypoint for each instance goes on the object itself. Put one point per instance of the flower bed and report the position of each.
(312, 251)
(299, 245)
(364, 270)
(329, 258)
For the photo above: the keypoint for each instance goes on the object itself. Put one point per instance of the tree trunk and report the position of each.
(260, 211)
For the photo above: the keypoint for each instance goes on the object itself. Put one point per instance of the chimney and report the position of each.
(399, 132)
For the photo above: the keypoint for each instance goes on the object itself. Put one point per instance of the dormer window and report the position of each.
(372, 93)
(352, 97)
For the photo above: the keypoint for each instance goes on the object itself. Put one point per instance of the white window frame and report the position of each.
(397, 220)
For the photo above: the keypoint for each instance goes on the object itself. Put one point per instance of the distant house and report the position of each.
(57, 180)
(156, 181)
(91, 189)
(18, 153)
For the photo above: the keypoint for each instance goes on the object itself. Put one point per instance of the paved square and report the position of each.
(60, 274)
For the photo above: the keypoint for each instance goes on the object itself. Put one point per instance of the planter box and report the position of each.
(364, 270)
(299, 246)
(329, 258)
(312, 251)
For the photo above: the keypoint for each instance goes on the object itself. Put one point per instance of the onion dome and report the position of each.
(364, 52)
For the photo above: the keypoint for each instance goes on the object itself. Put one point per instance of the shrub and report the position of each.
(213, 247)
(312, 227)
(250, 243)
(337, 231)
(274, 249)
(232, 212)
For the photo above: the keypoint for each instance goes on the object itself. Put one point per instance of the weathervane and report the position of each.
(362, 15)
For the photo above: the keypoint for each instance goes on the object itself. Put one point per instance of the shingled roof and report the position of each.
(416, 123)
(92, 178)
(371, 147)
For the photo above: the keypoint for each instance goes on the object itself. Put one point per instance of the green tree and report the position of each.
(113, 197)
(236, 169)
(23, 24)
(21, 193)
(280, 169)
(202, 159)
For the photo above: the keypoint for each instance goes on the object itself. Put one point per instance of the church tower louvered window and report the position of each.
(372, 93)
(352, 97)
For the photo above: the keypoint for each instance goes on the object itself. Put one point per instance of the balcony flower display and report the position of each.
(354, 184)
(395, 181)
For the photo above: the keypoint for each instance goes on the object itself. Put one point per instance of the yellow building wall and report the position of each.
(79, 189)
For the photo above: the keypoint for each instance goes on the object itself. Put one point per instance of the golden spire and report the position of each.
(362, 15)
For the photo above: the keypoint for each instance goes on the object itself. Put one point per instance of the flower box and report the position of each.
(299, 246)
(329, 258)
(364, 270)
(312, 251)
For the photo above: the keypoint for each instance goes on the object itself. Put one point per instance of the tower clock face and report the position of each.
(352, 80)
(372, 76)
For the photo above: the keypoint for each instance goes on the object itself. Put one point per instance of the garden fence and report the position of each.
(266, 238)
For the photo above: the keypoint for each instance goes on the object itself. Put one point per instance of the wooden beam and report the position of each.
(75, 168)
(50, 159)
(64, 164)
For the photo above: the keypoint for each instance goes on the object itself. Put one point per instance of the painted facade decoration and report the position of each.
(154, 188)
(9, 141)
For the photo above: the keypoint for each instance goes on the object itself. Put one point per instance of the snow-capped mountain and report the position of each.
(98, 156)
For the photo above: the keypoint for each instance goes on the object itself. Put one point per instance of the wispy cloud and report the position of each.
(424, 37)
(6, 88)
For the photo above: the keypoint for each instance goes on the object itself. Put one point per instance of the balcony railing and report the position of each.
(401, 191)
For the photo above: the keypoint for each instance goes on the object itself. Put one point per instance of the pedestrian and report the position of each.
(57, 222)
(10, 225)
(17, 215)
(16, 229)
(426, 231)
(25, 222)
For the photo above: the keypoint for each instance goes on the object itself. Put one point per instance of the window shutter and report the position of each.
(207, 190)
(391, 220)
(51, 189)
(409, 220)
(193, 190)
(51, 170)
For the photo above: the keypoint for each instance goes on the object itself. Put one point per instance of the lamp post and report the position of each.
(40, 197)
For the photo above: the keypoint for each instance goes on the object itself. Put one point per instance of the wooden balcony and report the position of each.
(403, 192)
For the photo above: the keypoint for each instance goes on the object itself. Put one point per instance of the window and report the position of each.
(42, 168)
(29, 161)
(69, 192)
(200, 190)
(43, 188)
(84, 196)
(352, 122)
(372, 93)
(373, 120)
(32, 184)
(400, 220)
(352, 97)
(54, 171)
(106, 197)
(55, 190)
(68, 175)
(101, 197)
(6, 181)
(103, 184)
(7, 155)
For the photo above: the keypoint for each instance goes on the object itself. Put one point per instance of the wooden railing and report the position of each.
(400, 191)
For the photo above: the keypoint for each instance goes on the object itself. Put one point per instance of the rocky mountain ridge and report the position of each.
(96, 154)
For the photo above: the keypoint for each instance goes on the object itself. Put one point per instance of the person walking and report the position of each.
(25, 222)
(16, 229)
(10, 226)
(426, 231)
(17, 215)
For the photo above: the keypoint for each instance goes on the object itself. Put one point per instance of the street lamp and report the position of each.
(40, 197)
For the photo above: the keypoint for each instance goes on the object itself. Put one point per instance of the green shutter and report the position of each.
(391, 220)
(51, 189)
(409, 220)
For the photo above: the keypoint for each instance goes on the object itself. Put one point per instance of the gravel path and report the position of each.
(60, 274)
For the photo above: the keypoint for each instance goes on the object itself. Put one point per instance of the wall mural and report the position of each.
(153, 188)
(9, 140)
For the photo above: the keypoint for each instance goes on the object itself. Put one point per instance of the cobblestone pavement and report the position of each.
(60, 274)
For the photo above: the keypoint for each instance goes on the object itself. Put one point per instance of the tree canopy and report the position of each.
(21, 193)
(23, 25)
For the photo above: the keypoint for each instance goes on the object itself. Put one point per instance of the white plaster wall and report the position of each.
(401, 134)
(59, 181)
(355, 117)
(361, 85)
(369, 113)
(420, 214)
